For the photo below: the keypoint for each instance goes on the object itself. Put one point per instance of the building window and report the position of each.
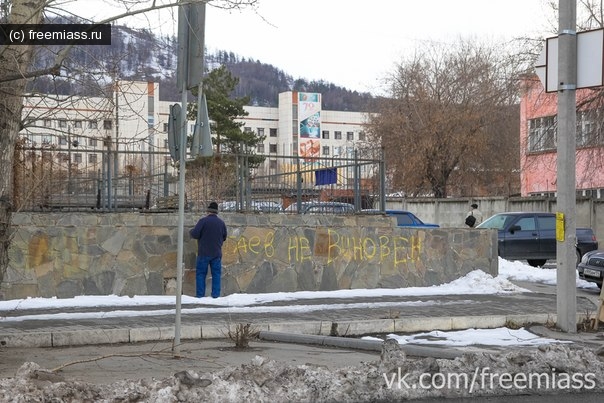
(272, 132)
(62, 141)
(92, 142)
(62, 123)
(92, 124)
(325, 150)
(338, 135)
(77, 158)
(589, 129)
(260, 131)
(247, 129)
(362, 136)
(273, 164)
(350, 136)
(166, 145)
(542, 134)
(47, 123)
(77, 124)
(260, 148)
(165, 128)
(107, 124)
(92, 158)
(272, 148)
(325, 134)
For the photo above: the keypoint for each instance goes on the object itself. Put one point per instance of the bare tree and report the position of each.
(448, 107)
(16, 69)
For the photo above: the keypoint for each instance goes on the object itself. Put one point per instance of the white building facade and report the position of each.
(133, 121)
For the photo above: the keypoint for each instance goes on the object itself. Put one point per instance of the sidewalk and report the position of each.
(335, 317)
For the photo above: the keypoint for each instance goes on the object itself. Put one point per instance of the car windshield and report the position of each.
(498, 221)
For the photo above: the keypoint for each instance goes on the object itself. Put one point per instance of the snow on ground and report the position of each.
(519, 271)
(537, 366)
(501, 336)
(476, 282)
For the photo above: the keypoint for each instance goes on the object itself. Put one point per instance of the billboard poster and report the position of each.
(309, 118)
(310, 149)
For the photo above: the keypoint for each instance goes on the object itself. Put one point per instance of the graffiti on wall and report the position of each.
(332, 245)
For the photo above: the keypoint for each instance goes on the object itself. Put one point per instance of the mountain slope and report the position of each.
(140, 55)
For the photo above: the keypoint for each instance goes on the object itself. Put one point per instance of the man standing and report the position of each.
(474, 216)
(210, 232)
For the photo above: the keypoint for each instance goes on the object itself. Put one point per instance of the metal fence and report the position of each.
(46, 179)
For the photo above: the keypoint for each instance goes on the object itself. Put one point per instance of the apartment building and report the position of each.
(538, 142)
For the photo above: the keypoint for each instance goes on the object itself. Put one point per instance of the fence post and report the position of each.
(298, 186)
(166, 185)
(382, 181)
(356, 179)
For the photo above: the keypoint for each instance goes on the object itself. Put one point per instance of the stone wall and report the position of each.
(70, 254)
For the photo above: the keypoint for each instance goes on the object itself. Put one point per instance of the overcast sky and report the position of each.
(356, 43)
(352, 43)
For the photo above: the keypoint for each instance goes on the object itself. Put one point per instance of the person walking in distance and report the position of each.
(474, 216)
(210, 232)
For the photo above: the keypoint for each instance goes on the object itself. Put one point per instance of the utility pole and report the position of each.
(566, 182)
(191, 27)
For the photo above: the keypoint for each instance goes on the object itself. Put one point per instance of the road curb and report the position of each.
(78, 336)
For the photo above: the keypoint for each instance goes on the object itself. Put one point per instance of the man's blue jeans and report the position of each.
(201, 272)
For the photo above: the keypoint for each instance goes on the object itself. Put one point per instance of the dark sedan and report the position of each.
(591, 267)
(403, 218)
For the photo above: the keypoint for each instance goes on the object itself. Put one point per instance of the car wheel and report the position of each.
(536, 262)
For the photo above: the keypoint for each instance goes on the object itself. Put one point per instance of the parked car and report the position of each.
(293, 208)
(266, 206)
(531, 236)
(256, 205)
(403, 218)
(591, 267)
(327, 208)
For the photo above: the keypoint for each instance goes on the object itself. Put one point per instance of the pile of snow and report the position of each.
(546, 369)
(501, 336)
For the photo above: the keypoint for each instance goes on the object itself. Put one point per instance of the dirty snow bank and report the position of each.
(546, 369)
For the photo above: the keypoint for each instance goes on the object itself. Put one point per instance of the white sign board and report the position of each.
(590, 53)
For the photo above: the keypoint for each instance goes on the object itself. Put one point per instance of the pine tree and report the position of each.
(218, 85)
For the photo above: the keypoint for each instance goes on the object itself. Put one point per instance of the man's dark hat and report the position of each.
(212, 207)
(474, 205)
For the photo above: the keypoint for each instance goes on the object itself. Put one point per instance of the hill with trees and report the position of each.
(139, 54)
